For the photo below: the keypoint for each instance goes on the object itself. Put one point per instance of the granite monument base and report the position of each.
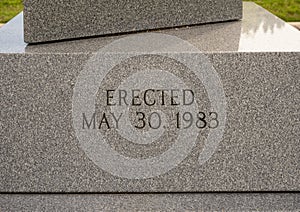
(256, 60)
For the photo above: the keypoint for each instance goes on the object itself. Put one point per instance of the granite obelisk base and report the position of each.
(257, 61)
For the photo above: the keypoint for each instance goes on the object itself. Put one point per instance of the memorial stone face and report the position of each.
(66, 19)
(178, 110)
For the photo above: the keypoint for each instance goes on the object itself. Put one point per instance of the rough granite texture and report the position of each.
(152, 202)
(56, 20)
(260, 148)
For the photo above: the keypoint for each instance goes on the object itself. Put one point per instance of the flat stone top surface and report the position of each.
(259, 31)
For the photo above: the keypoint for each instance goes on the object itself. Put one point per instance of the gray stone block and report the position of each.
(152, 202)
(56, 20)
(42, 151)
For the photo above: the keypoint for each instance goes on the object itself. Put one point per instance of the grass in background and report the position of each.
(288, 10)
(9, 9)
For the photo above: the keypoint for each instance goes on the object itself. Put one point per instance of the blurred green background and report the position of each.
(9, 9)
(288, 10)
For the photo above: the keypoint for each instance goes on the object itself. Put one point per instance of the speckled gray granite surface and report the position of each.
(259, 31)
(56, 20)
(152, 202)
(39, 151)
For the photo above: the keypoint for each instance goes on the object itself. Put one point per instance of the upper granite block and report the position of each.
(65, 19)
